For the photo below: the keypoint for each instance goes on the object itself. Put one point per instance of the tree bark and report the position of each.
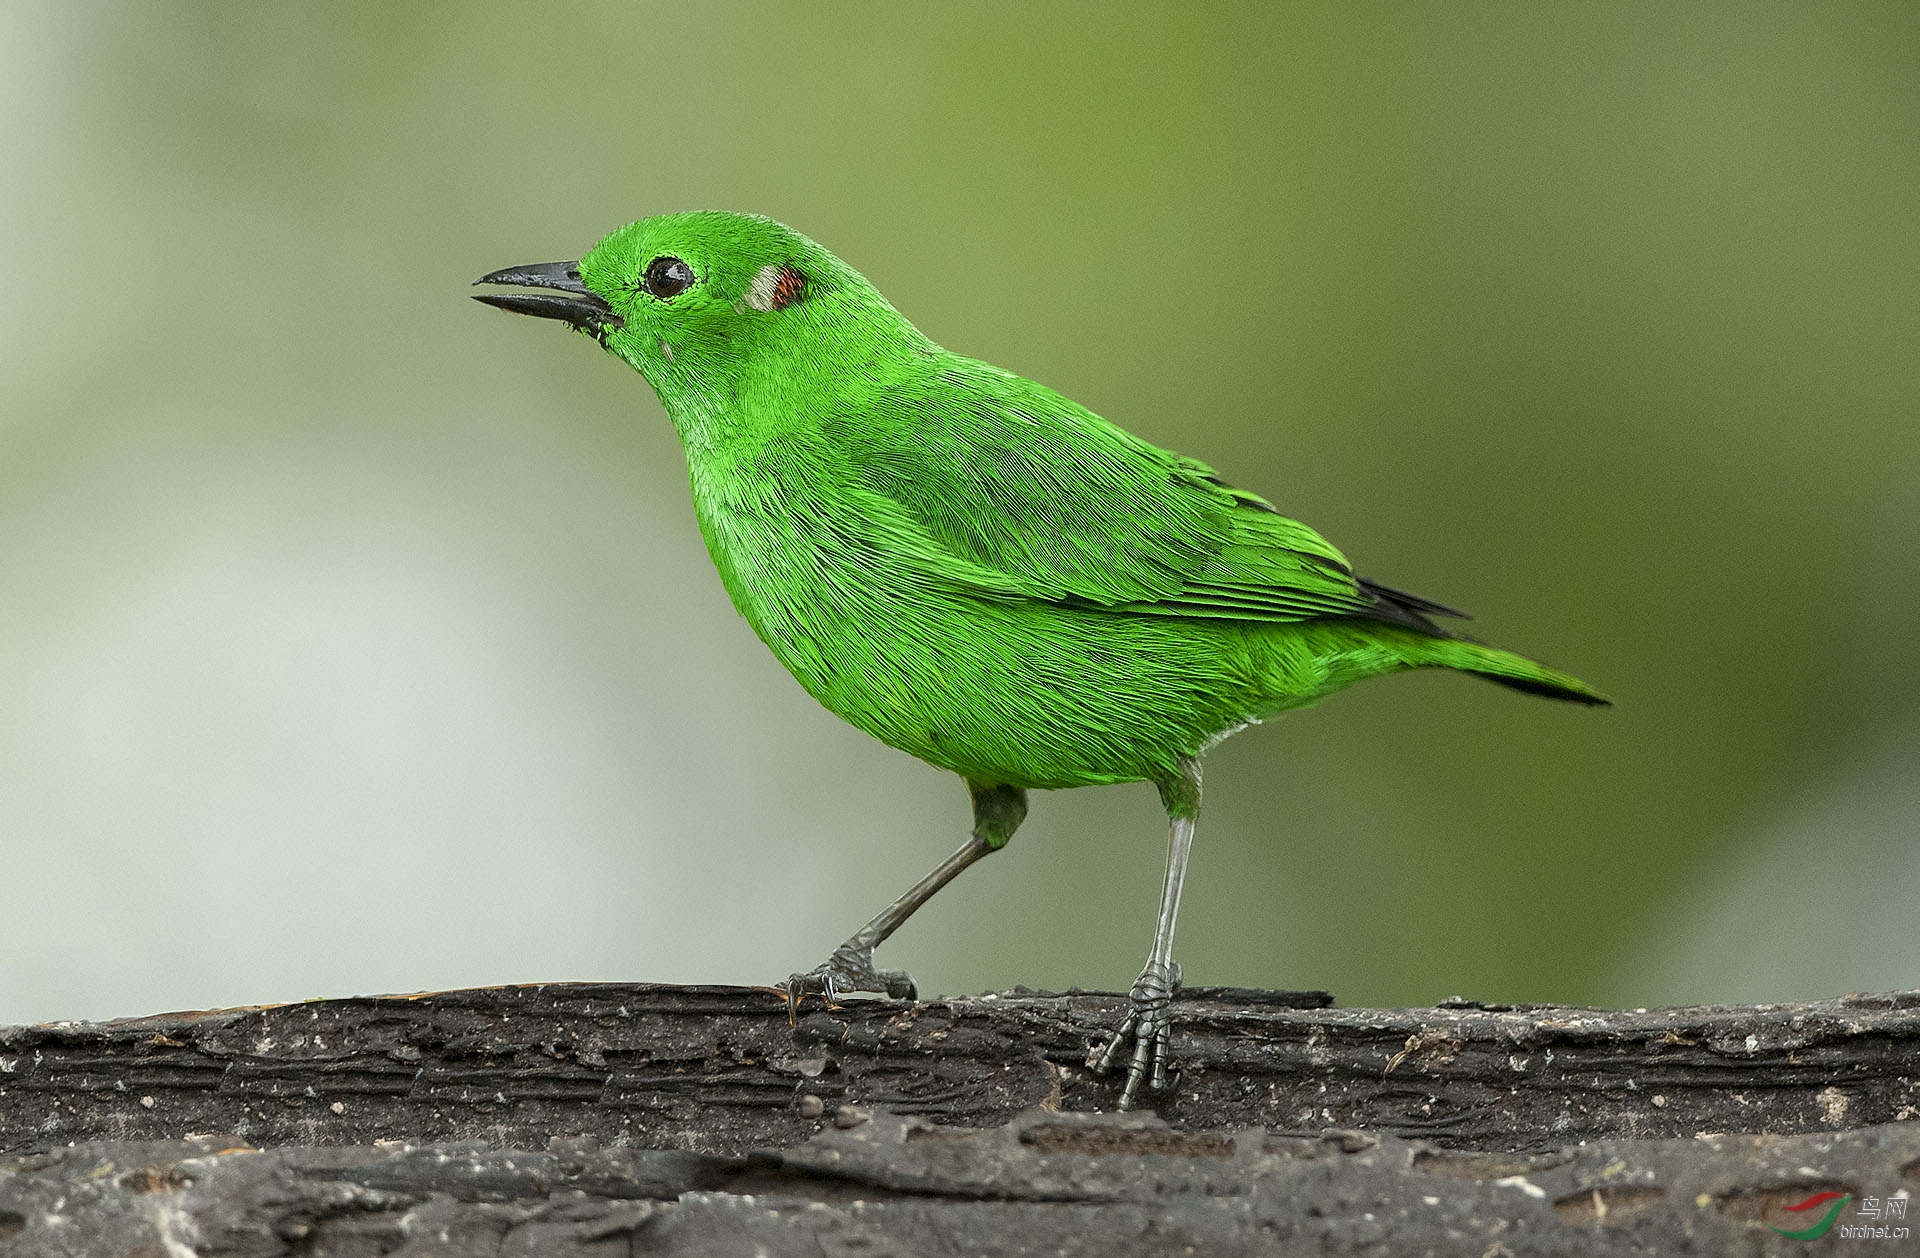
(600, 1119)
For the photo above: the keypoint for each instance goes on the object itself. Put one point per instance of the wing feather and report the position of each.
(1022, 492)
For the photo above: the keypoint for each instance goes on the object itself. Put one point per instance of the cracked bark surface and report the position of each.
(617, 1119)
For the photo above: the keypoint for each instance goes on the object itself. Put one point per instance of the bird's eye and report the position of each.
(668, 277)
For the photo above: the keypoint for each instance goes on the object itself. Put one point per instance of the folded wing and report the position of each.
(1017, 491)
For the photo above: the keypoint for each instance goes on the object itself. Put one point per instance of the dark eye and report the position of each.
(668, 277)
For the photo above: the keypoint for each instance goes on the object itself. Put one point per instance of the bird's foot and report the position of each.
(849, 969)
(1142, 1040)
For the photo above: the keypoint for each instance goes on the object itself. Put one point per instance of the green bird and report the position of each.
(973, 568)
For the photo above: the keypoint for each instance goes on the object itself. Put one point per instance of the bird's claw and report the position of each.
(1147, 1032)
(849, 969)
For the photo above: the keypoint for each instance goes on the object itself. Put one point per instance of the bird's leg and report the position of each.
(1142, 1040)
(997, 813)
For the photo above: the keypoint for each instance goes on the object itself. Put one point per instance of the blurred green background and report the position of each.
(355, 637)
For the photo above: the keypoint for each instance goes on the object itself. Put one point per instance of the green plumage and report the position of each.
(964, 563)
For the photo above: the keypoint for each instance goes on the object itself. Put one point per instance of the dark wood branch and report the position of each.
(571, 1119)
(721, 1069)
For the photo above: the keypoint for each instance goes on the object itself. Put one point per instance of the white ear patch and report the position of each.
(775, 287)
(765, 285)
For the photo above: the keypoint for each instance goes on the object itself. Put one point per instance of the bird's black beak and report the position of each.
(583, 309)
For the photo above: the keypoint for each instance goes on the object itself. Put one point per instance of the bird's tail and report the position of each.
(1431, 646)
(1514, 671)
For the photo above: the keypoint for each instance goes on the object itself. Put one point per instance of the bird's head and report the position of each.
(711, 305)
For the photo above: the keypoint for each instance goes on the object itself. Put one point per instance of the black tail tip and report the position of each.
(1547, 690)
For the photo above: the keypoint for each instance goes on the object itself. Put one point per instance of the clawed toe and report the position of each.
(849, 969)
(1143, 1040)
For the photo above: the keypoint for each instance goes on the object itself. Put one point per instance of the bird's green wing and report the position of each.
(1021, 492)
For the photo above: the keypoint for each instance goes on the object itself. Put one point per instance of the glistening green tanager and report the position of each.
(971, 567)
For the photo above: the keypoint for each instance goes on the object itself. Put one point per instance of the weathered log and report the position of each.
(598, 1119)
(1080, 1184)
(723, 1070)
